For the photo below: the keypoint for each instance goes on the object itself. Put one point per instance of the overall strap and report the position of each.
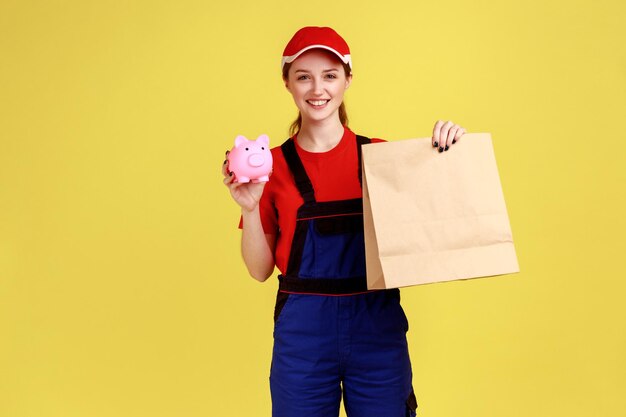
(361, 140)
(303, 183)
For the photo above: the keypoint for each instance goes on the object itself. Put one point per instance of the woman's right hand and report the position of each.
(247, 194)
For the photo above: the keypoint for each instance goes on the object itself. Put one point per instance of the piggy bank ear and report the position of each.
(239, 140)
(264, 139)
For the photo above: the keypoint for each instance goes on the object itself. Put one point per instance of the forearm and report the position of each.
(255, 248)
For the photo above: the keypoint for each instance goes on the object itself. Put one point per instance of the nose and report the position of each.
(256, 160)
(317, 87)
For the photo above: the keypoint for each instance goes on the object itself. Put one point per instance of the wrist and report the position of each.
(250, 212)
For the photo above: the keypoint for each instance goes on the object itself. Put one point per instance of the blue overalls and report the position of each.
(329, 330)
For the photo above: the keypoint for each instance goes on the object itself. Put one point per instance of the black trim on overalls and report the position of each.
(291, 282)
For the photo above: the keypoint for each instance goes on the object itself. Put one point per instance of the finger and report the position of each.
(239, 195)
(443, 134)
(226, 166)
(225, 169)
(450, 137)
(230, 178)
(436, 129)
(458, 135)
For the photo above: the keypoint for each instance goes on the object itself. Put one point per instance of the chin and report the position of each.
(317, 117)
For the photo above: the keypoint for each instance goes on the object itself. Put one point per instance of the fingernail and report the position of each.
(446, 148)
(231, 173)
(440, 149)
(453, 141)
(225, 160)
(227, 152)
(435, 144)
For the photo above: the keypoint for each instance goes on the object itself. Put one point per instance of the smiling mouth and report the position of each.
(317, 103)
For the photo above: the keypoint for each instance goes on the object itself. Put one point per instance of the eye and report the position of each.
(331, 75)
(302, 77)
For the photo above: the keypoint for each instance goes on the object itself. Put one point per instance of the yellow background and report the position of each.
(122, 291)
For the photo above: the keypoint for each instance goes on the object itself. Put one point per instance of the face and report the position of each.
(317, 82)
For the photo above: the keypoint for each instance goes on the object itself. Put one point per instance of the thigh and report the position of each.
(378, 376)
(297, 397)
(380, 391)
(304, 377)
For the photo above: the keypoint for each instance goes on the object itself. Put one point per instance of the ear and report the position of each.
(348, 81)
(239, 140)
(264, 139)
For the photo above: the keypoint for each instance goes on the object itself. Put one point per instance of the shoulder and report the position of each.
(279, 164)
(277, 152)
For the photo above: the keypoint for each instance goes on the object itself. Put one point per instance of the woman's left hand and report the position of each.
(445, 134)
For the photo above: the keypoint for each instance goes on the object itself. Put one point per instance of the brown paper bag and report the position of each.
(432, 217)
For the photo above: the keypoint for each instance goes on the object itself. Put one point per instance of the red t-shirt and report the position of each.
(334, 176)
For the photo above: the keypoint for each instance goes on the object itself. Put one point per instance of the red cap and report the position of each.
(311, 37)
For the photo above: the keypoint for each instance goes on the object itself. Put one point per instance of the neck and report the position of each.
(320, 136)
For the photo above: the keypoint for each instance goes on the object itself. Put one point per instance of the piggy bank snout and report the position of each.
(256, 160)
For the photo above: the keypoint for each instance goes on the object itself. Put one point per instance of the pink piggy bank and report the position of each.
(251, 160)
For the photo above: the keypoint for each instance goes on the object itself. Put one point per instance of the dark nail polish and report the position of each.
(231, 173)
(440, 149)
(453, 141)
(225, 160)
(435, 144)
(446, 148)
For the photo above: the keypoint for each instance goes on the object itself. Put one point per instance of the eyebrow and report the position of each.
(328, 70)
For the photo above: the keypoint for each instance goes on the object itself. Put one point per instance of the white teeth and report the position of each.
(318, 102)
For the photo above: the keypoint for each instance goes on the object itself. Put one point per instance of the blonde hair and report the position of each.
(295, 126)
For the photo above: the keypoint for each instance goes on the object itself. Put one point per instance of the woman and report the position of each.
(332, 337)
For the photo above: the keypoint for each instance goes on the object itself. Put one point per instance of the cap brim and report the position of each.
(346, 59)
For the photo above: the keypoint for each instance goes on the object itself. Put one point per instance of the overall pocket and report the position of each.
(334, 247)
(281, 301)
(411, 405)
